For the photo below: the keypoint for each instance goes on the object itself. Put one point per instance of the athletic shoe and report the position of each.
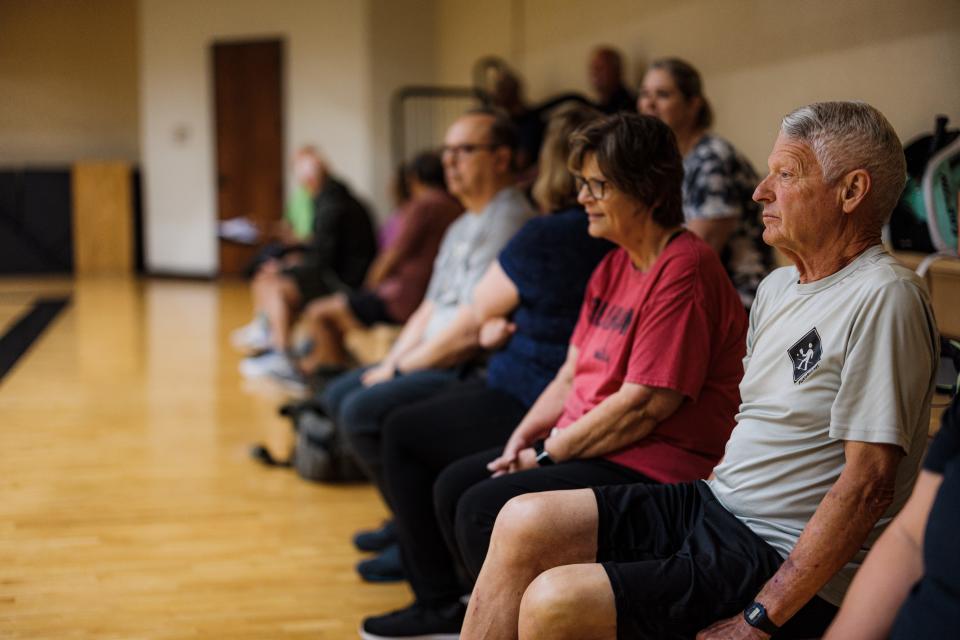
(253, 337)
(418, 622)
(386, 567)
(376, 539)
(270, 363)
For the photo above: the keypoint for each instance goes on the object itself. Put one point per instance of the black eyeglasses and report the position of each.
(455, 150)
(596, 188)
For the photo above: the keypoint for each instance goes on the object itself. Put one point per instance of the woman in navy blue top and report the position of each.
(528, 302)
(909, 585)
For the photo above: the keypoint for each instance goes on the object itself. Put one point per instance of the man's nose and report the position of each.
(763, 193)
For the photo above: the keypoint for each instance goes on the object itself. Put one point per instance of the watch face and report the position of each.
(756, 616)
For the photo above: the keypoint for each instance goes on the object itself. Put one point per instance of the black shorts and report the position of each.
(314, 282)
(678, 561)
(368, 308)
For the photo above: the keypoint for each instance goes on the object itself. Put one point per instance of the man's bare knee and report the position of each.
(569, 601)
(549, 528)
(545, 600)
(518, 525)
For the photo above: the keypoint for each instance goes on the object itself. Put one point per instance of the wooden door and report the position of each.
(248, 99)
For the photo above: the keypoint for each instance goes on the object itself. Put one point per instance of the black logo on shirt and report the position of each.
(805, 355)
(610, 317)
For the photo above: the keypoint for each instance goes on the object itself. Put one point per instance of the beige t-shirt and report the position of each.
(850, 357)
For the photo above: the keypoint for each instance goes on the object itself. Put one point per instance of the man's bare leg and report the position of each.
(533, 533)
(574, 602)
(328, 321)
(277, 296)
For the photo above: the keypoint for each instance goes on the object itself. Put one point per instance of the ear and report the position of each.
(854, 188)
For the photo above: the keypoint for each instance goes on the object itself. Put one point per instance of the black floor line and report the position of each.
(17, 340)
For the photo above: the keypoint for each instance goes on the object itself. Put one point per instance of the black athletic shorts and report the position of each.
(678, 561)
(311, 282)
(368, 308)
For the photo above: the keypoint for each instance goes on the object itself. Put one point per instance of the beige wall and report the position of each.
(403, 52)
(759, 59)
(68, 81)
(118, 79)
(327, 102)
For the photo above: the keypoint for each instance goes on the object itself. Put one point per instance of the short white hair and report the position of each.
(845, 136)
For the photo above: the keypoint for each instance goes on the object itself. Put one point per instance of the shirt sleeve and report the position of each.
(671, 347)
(441, 262)
(946, 445)
(888, 368)
(522, 252)
(712, 190)
(499, 233)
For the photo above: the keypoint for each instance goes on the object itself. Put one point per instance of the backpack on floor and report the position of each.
(318, 454)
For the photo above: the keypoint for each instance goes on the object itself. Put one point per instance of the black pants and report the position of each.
(419, 441)
(678, 561)
(468, 500)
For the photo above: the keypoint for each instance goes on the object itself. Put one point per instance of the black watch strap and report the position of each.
(543, 458)
(756, 616)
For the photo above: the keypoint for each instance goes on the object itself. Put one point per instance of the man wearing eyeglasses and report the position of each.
(438, 341)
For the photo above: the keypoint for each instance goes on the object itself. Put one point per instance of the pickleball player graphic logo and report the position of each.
(805, 355)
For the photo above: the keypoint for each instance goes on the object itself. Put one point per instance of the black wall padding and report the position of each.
(36, 235)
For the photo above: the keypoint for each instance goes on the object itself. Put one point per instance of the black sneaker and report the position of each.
(376, 539)
(417, 622)
(386, 567)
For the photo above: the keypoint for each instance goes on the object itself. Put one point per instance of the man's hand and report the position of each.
(735, 628)
(380, 373)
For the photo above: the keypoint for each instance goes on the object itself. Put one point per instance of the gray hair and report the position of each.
(852, 135)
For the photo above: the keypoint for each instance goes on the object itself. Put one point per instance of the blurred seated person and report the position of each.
(397, 280)
(527, 304)
(718, 180)
(508, 95)
(909, 585)
(605, 74)
(439, 340)
(336, 260)
(290, 235)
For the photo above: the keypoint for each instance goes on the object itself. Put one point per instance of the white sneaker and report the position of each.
(253, 337)
(270, 363)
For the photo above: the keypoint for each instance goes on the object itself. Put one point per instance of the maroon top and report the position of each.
(422, 223)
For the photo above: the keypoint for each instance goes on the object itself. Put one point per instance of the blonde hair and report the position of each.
(554, 187)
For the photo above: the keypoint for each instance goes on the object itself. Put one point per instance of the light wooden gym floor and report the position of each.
(128, 506)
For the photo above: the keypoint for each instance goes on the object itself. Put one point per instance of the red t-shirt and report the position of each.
(680, 325)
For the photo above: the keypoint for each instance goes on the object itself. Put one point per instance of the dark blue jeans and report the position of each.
(360, 411)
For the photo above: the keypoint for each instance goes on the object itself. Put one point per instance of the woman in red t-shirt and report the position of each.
(649, 390)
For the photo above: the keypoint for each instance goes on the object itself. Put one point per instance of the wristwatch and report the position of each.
(543, 458)
(756, 616)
